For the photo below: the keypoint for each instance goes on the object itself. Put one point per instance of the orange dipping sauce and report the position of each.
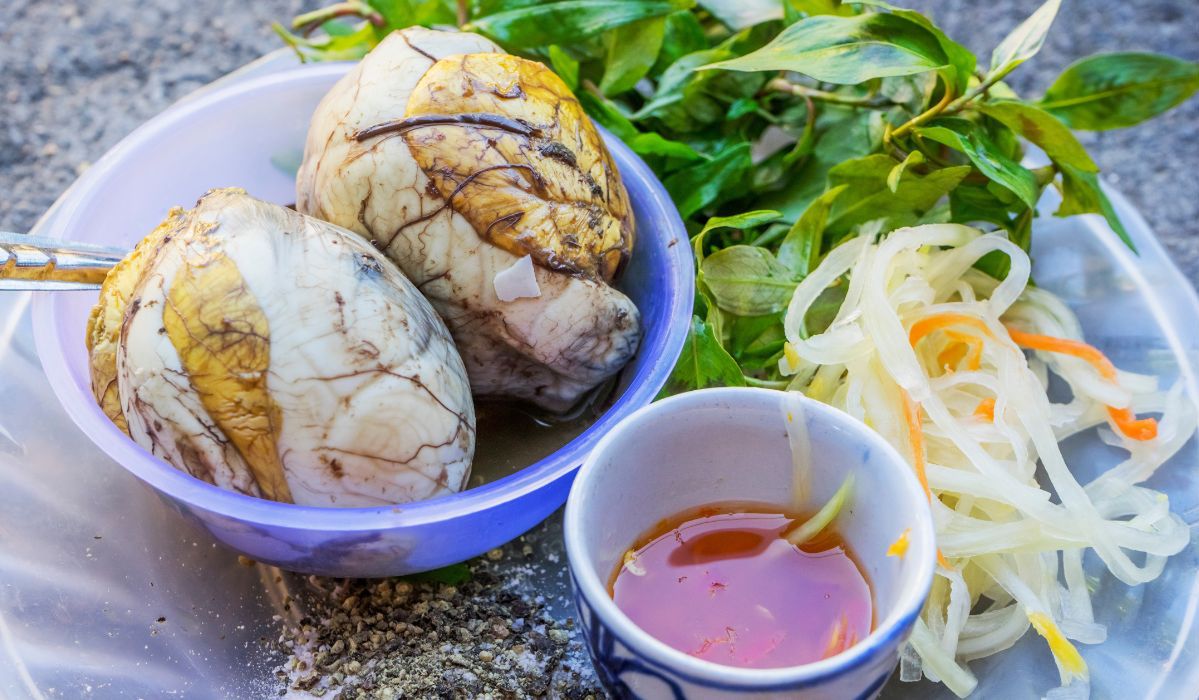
(720, 583)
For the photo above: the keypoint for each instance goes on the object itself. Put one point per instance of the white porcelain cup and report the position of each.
(736, 444)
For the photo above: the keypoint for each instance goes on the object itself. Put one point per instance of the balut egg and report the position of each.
(279, 356)
(479, 174)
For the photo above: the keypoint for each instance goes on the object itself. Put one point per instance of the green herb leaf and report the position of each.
(704, 183)
(824, 310)
(867, 196)
(800, 250)
(961, 59)
(683, 35)
(1025, 40)
(989, 159)
(479, 8)
(893, 177)
(404, 13)
(564, 65)
(842, 134)
(748, 220)
(653, 144)
(748, 280)
(1082, 194)
(1115, 90)
(741, 107)
(632, 51)
(1042, 129)
(757, 341)
(345, 47)
(568, 21)
(794, 9)
(703, 363)
(739, 14)
(847, 50)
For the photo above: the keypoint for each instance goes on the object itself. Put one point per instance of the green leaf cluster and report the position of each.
(783, 127)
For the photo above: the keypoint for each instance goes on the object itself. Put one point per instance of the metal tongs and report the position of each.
(45, 264)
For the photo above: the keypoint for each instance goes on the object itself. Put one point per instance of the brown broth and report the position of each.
(720, 583)
(509, 437)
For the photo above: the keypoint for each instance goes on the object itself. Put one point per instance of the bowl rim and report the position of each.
(87, 415)
(884, 637)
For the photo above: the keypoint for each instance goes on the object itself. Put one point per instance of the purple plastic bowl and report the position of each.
(229, 136)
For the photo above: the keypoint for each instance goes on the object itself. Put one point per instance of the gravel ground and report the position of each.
(78, 76)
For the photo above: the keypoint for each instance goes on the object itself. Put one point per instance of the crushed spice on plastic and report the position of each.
(405, 638)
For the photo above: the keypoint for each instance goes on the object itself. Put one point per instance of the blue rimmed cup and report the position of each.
(736, 444)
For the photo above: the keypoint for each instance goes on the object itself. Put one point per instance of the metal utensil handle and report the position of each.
(28, 263)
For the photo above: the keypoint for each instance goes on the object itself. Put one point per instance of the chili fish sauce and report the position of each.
(722, 584)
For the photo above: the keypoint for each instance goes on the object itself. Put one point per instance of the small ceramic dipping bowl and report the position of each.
(716, 445)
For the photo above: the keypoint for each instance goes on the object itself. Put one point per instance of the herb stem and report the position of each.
(463, 13)
(309, 21)
(920, 118)
(868, 100)
(767, 383)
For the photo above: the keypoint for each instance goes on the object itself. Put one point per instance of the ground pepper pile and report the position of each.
(405, 638)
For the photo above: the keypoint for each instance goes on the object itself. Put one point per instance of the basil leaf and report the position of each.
(1082, 194)
(961, 59)
(343, 47)
(479, 8)
(748, 281)
(703, 363)
(569, 20)
(739, 14)
(632, 51)
(703, 183)
(974, 203)
(683, 35)
(793, 9)
(757, 341)
(749, 219)
(1115, 90)
(842, 135)
(800, 250)
(867, 196)
(566, 67)
(893, 177)
(824, 310)
(847, 50)
(404, 13)
(654, 144)
(989, 159)
(1042, 129)
(1025, 40)
(609, 116)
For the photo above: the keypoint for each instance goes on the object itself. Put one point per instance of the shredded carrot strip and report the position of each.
(1124, 420)
(1133, 427)
(911, 414)
(1066, 347)
(928, 324)
(986, 409)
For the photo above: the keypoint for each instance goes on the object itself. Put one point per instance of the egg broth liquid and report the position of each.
(722, 584)
(509, 437)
